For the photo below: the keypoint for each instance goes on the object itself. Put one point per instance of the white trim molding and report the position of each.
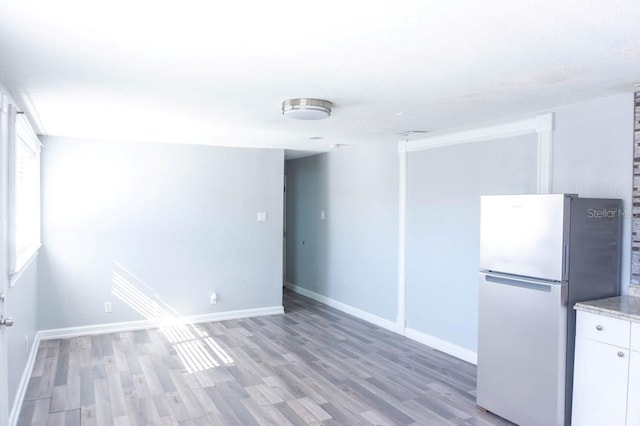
(24, 382)
(545, 153)
(542, 125)
(118, 327)
(401, 319)
(348, 309)
(442, 345)
(418, 336)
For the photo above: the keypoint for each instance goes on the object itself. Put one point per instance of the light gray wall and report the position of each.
(443, 228)
(351, 256)
(175, 221)
(22, 305)
(593, 156)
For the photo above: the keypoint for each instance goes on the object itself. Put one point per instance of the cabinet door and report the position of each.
(599, 384)
(633, 399)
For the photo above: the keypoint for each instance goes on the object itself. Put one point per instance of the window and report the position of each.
(24, 193)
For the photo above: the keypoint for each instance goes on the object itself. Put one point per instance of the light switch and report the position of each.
(262, 216)
(321, 214)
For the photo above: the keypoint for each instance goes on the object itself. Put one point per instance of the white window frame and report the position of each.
(23, 245)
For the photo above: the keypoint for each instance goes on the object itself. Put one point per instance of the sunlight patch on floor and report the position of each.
(196, 349)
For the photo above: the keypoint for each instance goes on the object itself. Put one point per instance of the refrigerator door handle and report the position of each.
(565, 261)
(529, 283)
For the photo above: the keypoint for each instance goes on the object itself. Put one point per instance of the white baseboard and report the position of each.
(60, 333)
(420, 337)
(117, 327)
(442, 345)
(358, 313)
(24, 381)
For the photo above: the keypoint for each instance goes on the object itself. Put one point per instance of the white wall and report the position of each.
(175, 221)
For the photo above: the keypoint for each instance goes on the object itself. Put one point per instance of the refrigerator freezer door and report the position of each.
(525, 235)
(521, 349)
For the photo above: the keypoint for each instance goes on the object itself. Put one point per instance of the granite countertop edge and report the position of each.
(623, 307)
(611, 307)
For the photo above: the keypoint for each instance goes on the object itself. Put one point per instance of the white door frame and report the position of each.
(4, 255)
(284, 231)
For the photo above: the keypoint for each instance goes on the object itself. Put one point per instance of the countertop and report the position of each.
(623, 307)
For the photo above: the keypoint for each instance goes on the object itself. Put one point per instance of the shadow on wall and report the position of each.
(197, 350)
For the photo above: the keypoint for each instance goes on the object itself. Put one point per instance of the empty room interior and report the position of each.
(270, 213)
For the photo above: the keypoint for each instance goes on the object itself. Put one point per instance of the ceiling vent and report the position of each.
(412, 133)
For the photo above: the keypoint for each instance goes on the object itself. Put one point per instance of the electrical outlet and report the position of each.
(213, 299)
(107, 307)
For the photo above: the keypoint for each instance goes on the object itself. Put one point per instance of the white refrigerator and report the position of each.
(539, 255)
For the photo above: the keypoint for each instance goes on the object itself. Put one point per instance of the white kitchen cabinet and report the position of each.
(601, 371)
(633, 397)
(599, 384)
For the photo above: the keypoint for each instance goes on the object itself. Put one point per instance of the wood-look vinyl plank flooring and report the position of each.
(312, 366)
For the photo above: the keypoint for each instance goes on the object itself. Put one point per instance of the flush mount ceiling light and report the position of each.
(306, 108)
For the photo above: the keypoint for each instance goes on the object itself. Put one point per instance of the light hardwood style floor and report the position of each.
(313, 365)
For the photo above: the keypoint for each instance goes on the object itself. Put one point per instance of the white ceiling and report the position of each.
(212, 72)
